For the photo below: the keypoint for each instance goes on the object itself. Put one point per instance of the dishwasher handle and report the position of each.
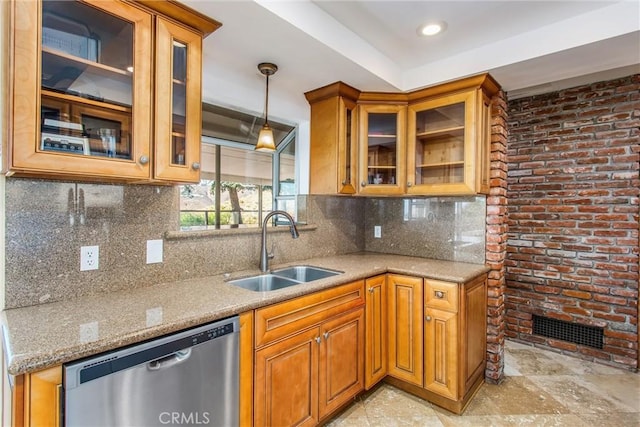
(170, 360)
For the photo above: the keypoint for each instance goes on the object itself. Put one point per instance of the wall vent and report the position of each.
(591, 336)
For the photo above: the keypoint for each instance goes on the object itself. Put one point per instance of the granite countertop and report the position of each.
(46, 335)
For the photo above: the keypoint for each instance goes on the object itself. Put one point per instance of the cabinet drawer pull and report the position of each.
(427, 318)
(143, 160)
(318, 340)
(439, 294)
(326, 335)
(195, 166)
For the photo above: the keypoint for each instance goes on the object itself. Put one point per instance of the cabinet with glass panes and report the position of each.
(449, 140)
(382, 148)
(100, 108)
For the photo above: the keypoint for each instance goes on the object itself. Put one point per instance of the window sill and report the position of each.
(234, 232)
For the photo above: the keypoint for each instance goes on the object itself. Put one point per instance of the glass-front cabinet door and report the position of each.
(382, 149)
(82, 89)
(178, 96)
(441, 146)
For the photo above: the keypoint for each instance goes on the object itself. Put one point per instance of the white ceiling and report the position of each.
(530, 47)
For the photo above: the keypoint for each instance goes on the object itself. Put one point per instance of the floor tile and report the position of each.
(541, 388)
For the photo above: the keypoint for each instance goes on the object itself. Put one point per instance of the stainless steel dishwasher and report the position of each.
(188, 378)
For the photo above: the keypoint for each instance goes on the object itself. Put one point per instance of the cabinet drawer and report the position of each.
(442, 295)
(279, 320)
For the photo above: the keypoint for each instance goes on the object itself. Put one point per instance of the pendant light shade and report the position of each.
(266, 141)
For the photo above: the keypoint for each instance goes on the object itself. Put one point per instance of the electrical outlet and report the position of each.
(89, 257)
(377, 231)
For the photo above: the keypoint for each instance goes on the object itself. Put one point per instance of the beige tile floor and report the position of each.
(541, 388)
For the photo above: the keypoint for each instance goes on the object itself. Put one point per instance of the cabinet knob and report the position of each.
(195, 166)
(363, 184)
(143, 160)
(370, 290)
(409, 183)
(326, 335)
(427, 318)
(318, 340)
(344, 182)
(439, 294)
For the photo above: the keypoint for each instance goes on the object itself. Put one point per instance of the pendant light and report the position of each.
(265, 138)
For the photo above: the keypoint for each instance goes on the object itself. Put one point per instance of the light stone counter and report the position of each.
(45, 335)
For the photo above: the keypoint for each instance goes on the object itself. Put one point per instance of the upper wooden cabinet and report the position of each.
(333, 147)
(433, 141)
(382, 148)
(105, 90)
(448, 145)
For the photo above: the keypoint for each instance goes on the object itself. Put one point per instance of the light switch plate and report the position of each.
(377, 231)
(154, 251)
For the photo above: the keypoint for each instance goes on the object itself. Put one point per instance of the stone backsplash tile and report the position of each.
(44, 233)
(446, 228)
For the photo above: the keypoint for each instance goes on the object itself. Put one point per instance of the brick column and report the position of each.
(496, 238)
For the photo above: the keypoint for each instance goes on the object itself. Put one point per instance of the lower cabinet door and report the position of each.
(341, 360)
(286, 381)
(441, 352)
(405, 328)
(375, 363)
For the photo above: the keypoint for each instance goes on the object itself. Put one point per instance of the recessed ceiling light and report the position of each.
(432, 28)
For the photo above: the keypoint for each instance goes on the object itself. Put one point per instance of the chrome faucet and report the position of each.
(264, 256)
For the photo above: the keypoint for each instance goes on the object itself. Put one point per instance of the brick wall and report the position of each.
(496, 241)
(573, 187)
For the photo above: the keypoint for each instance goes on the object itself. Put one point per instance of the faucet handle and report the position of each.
(272, 253)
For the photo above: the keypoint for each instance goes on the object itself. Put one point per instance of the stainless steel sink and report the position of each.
(305, 273)
(264, 282)
(283, 278)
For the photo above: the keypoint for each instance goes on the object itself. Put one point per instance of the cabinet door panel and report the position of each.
(382, 149)
(178, 103)
(441, 355)
(286, 381)
(405, 328)
(441, 145)
(84, 77)
(376, 330)
(341, 360)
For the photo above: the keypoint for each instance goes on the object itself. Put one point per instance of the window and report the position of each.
(239, 186)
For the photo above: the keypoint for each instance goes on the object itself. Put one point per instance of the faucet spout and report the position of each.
(264, 256)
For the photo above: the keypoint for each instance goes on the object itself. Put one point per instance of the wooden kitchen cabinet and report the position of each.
(375, 364)
(37, 398)
(381, 148)
(333, 145)
(432, 141)
(440, 357)
(455, 340)
(117, 93)
(405, 328)
(309, 356)
(449, 143)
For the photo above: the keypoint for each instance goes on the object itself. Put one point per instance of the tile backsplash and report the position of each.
(47, 222)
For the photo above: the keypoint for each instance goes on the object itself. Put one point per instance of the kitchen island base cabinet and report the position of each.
(309, 358)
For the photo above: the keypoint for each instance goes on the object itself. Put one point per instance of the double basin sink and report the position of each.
(283, 278)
